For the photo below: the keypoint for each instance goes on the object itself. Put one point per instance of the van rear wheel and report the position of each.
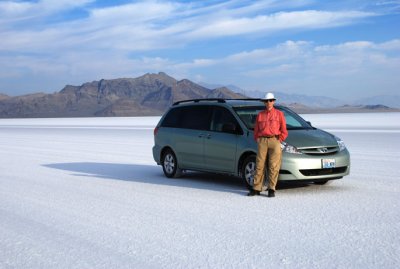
(170, 164)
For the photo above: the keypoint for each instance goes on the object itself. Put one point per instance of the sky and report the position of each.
(346, 49)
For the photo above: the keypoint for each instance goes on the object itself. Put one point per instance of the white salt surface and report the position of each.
(86, 193)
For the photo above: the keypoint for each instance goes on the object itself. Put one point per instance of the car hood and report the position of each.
(307, 138)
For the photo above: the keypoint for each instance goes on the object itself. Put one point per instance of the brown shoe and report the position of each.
(253, 193)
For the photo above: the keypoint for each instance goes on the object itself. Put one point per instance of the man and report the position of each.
(269, 131)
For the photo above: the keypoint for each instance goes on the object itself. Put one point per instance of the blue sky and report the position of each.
(344, 49)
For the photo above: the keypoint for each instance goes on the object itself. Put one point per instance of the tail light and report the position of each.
(155, 131)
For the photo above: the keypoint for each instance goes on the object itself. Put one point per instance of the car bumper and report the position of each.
(306, 167)
(156, 154)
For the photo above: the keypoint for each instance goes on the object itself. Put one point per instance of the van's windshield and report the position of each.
(293, 121)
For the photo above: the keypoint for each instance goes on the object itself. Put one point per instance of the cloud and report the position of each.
(150, 25)
(20, 11)
(347, 68)
(308, 19)
(47, 40)
(133, 13)
(390, 45)
(291, 66)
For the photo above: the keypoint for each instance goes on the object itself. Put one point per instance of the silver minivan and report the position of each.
(216, 135)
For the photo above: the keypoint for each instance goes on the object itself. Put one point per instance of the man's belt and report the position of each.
(270, 136)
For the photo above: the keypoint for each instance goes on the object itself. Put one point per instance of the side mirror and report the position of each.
(309, 122)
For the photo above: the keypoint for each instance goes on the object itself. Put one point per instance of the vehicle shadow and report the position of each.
(152, 174)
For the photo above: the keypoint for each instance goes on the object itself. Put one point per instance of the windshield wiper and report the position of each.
(300, 128)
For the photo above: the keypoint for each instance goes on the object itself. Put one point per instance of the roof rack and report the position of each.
(244, 99)
(219, 100)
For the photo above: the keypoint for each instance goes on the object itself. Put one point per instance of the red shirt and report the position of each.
(269, 123)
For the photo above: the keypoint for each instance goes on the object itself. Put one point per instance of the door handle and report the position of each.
(208, 136)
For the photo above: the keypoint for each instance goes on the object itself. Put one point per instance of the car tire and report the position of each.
(170, 164)
(248, 168)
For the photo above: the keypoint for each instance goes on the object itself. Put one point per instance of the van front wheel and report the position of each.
(248, 169)
(170, 164)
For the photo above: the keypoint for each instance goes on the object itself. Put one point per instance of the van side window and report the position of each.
(172, 118)
(224, 121)
(193, 117)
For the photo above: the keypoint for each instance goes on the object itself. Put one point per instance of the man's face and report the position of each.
(269, 104)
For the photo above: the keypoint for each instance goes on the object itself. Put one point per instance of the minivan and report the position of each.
(216, 135)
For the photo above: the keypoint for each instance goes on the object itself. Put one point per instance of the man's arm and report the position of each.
(256, 131)
(284, 132)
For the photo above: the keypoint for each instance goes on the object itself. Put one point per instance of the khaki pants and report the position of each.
(272, 147)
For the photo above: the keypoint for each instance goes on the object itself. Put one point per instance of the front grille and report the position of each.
(323, 172)
(324, 151)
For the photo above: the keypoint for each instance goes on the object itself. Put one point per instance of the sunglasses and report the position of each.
(270, 100)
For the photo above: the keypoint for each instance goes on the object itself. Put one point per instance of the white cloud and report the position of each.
(133, 13)
(133, 27)
(390, 45)
(11, 9)
(277, 21)
(108, 42)
(346, 68)
(152, 25)
(15, 11)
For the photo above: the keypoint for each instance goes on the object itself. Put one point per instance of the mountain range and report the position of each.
(319, 102)
(148, 95)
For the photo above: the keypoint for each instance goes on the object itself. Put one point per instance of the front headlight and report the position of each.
(341, 144)
(289, 148)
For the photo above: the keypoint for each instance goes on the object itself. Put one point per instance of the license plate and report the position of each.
(328, 163)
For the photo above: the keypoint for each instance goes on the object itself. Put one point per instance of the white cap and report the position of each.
(269, 96)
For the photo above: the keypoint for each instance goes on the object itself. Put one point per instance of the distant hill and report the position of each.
(320, 104)
(150, 94)
(387, 100)
(306, 100)
(391, 101)
(3, 96)
(310, 101)
(302, 109)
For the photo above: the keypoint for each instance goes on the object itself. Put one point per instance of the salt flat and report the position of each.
(86, 193)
